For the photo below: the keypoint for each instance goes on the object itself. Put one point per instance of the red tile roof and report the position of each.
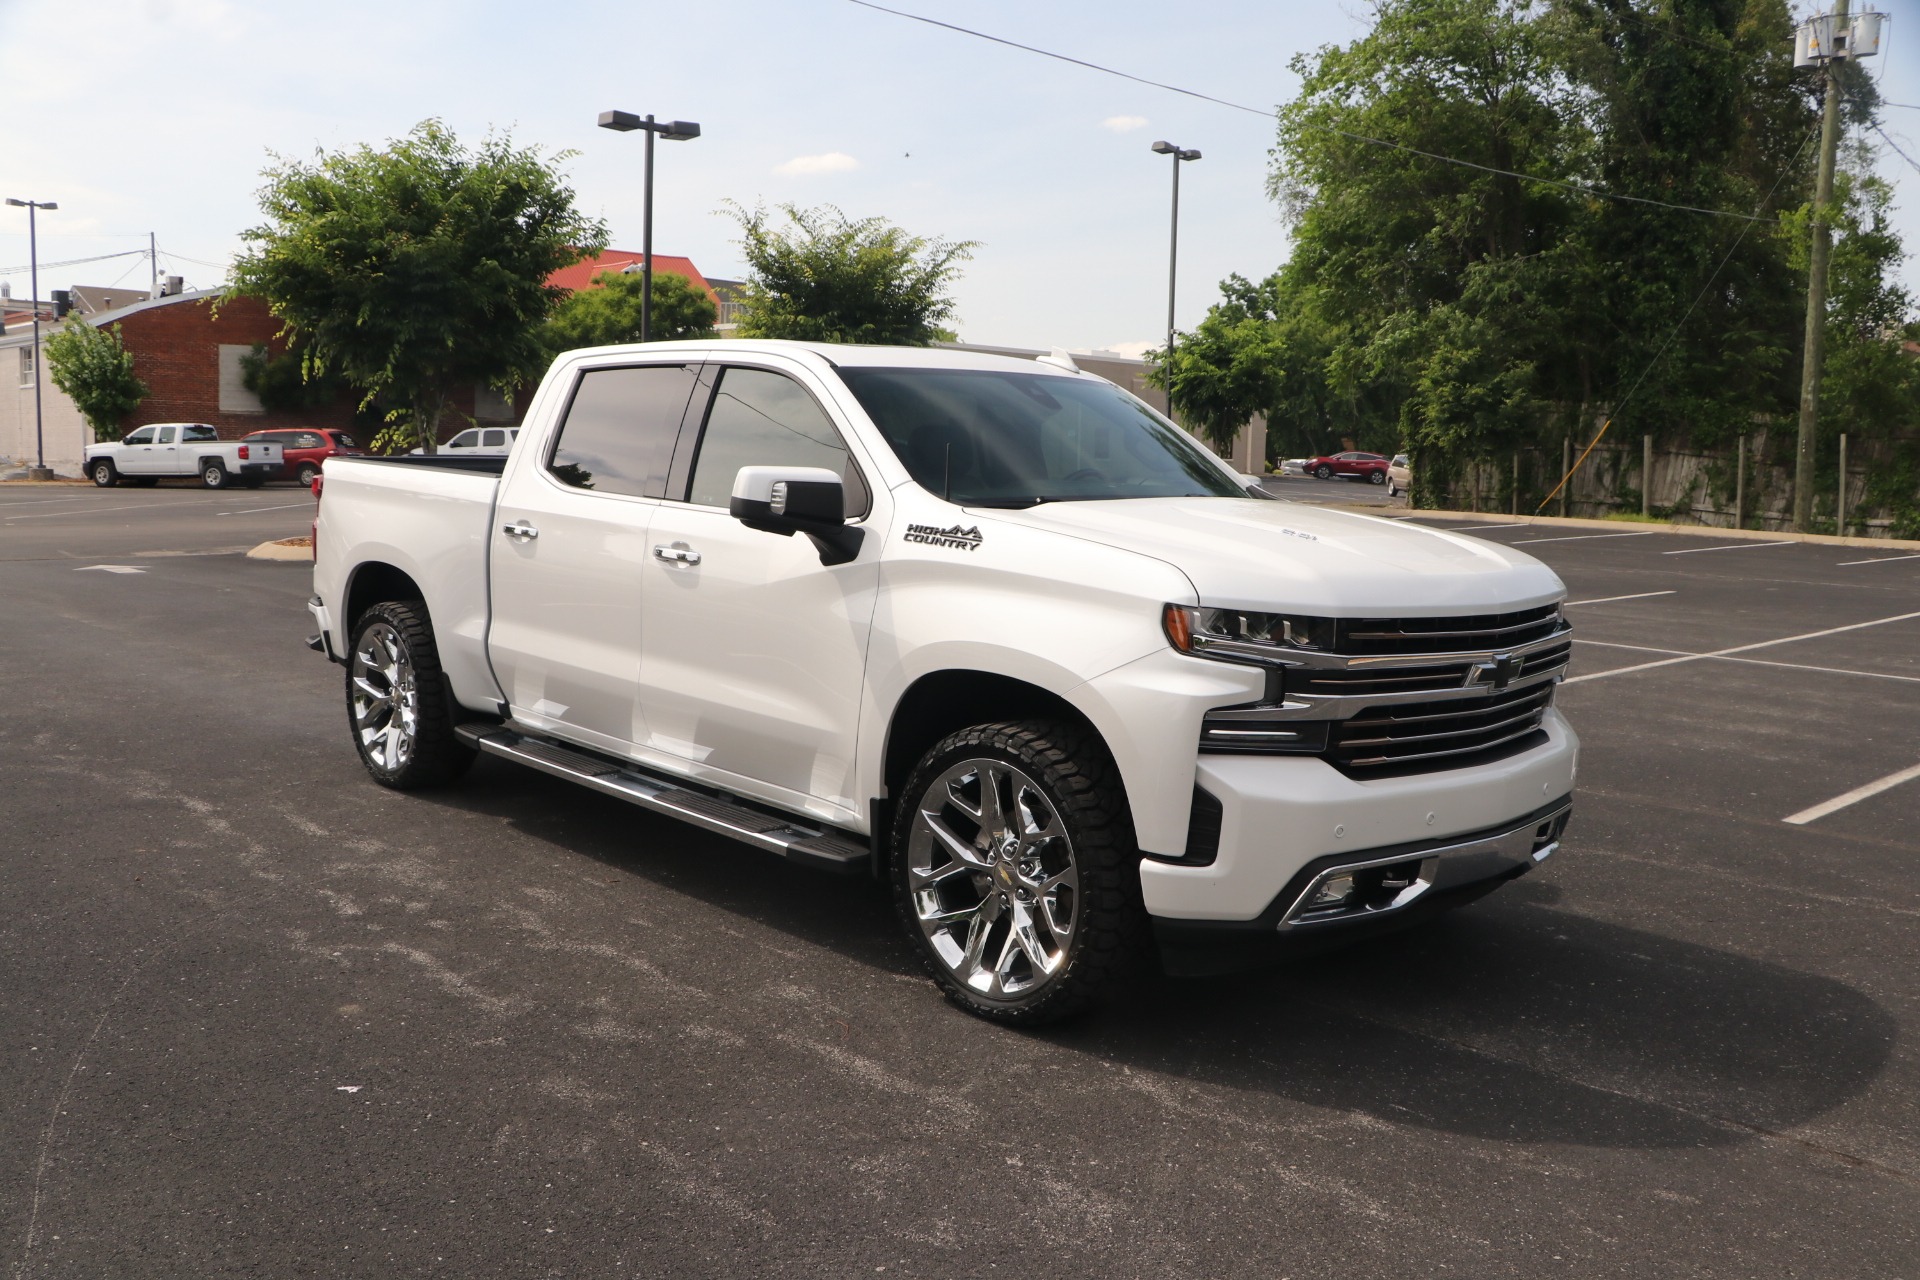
(580, 275)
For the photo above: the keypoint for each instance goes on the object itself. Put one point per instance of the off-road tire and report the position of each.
(103, 473)
(434, 756)
(1111, 939)
(213, 474)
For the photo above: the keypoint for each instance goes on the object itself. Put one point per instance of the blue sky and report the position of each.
(158, 115)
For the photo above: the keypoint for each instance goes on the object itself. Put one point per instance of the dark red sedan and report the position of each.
(306, 450)
(1370, 467)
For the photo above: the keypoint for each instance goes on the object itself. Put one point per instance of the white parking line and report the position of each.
(1854, 796)
(1469, 528)
(1732, 546)
(1876, 560)
(1743, 648)
(1756, 662)
(1644, 595)
(1583, 537)
(287, 506)
(133, 506)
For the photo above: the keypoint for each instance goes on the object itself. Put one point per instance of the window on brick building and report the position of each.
(26, 365)
(234, 396)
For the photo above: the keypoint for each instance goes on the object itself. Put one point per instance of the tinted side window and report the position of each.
(761, 419)
(493, 439)
(304, 440)
(619, 431)
(198, 433)
(143, 436)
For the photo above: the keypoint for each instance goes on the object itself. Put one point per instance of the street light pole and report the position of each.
(672, 131)
(39, 469)
(1173, 246)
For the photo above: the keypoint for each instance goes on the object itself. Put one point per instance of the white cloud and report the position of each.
(1125, 124)
(831, 162)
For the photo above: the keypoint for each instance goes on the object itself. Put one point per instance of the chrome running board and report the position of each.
(813, 845)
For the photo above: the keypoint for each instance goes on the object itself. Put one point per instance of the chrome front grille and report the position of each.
(1407, 694)
(1495, 631)
(1439, 734)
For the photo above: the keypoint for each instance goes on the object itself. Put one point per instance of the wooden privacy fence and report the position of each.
(1688, 486)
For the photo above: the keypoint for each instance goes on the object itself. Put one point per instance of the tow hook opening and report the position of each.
(1343, 892)
(1546, 837)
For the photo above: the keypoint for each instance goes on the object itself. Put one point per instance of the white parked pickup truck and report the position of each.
(992, 629)
(160, 449)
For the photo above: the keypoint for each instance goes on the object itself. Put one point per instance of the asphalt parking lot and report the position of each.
(262, 1017)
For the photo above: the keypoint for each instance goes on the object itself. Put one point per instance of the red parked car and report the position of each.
(306, 450)
(1370, 467)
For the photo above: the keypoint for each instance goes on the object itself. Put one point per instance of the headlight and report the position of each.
(1234, 635)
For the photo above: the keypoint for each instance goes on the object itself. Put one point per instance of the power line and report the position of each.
(1896, 147)
(74, 262)
(1344, 133)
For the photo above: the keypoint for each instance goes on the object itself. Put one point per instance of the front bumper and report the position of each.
(1281, 813)
(1387, 889)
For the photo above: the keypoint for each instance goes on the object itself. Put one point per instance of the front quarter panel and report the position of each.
(962, 589)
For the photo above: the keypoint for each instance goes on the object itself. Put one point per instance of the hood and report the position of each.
(1258, 554)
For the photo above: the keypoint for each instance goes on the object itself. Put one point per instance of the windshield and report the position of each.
(991, 439)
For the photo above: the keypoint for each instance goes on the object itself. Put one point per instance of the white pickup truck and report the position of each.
(992, 629)
(159, 449)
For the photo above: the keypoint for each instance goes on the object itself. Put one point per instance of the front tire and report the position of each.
(399, 705)
(213, 475)
(104, 474)
(1323, 472)
(1015, 870)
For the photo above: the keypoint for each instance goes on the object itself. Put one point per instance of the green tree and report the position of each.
(95, 370)
(1231, 367)
(287, 382)
(417, 269)
(828, 278)
(611, 313)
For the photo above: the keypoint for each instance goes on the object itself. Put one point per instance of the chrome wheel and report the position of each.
(384, 699)
(993, 880)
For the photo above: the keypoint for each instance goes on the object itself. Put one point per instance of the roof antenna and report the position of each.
(1060, 358)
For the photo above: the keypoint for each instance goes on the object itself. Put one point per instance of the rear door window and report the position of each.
(758, 418)
(493, 439)
(166, 435)
(620, 427)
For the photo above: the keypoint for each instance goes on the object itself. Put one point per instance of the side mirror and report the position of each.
(790, 500)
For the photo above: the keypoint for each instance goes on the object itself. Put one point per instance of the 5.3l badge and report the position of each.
(952, 536)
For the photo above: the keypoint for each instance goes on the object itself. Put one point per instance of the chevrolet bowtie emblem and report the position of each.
(1497, 673)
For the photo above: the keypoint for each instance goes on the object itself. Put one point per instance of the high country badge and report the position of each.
(953, 536)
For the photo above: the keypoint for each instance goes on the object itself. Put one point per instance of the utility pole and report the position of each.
(153, 265)
(1820, 42)
(39, 470)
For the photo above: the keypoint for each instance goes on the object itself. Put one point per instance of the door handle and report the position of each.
(519, 529)
(678, 553)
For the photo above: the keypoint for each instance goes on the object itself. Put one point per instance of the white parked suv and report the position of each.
(991, 629)
(146, 454)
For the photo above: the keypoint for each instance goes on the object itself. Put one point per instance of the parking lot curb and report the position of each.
(1651, 526)
(288, 549)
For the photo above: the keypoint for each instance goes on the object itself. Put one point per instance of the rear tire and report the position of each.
(1015, 871)
(213, 474)
(399, 704)
(104, 473)
(1377, 477)
(307, 475)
